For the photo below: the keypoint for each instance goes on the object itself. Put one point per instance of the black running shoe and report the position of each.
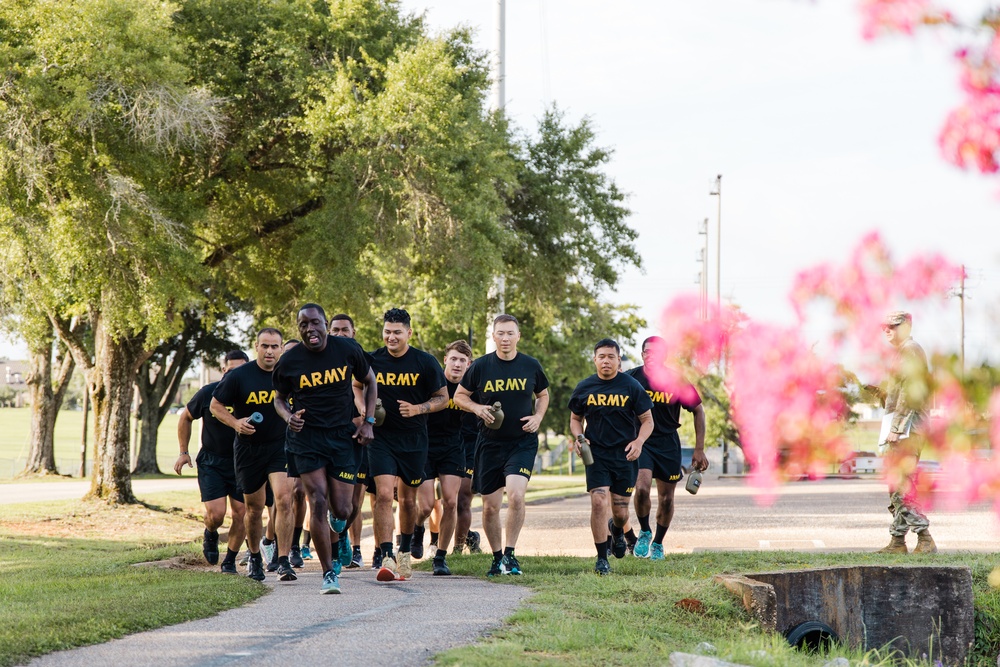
(255, 569)
(228, 567)
(285, 572)
(619, 547)
(417, 544)
(295, 557)
(509, 565)
(272, 565)
(495, 570)
(602, 567)
(441, 568)
(357, 560)
(377, 559)
(210, 546)
(472, 541)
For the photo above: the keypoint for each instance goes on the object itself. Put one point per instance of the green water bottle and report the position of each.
(379, 412)
(497, 412)
(585, 453)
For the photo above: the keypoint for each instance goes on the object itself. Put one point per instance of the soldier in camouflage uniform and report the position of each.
(905, 397)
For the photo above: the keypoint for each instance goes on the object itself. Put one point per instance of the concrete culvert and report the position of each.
(811, 635)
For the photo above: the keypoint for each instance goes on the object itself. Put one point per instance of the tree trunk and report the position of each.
(157, 381)
(110, 381)
(46, 400)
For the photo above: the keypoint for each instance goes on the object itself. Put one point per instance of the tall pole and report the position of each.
(961, 301)
(496, 295)
(704, 271)
(718, 244)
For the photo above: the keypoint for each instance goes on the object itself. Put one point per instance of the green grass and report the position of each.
(630, 617)
(67, 577)
(15, 427)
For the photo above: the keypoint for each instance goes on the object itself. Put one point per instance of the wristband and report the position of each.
(370, 420)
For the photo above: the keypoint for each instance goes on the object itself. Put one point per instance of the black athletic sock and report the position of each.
(357, 548)
(616, 532)
(440, 554)
(497, 555)
(268, 542)
(282, 560)
(631, 537)
(602, 549)
(644, 523)
(508, 551)
(296, 536)
(305, 538)
(661, 530)
(405, 540)
(387, 550)
(230, 556)
(434, 537)
(378, 551)
(256, 557)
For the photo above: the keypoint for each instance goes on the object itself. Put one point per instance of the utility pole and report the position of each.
(961, 301)
(718, 244)
(496, 295)
(703, 286)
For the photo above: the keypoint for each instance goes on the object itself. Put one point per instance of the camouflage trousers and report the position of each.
(902, 458)
(905, 516)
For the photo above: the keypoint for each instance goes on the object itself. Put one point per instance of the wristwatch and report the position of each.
(370, 420)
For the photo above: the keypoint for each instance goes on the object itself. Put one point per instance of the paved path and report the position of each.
(29, 492)
(414, 620)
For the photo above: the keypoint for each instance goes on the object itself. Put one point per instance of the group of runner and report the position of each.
(307, 447)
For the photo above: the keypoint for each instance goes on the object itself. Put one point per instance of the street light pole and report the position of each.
(499, 93)
(718, 244)
(703, 285)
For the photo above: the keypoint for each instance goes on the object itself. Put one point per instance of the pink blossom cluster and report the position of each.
(903, 16)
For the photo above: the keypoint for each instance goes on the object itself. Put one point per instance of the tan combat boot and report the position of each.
(897, 545)
(925, 543)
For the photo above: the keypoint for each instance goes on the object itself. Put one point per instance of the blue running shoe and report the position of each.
(331, 584)
(509, 565)
(345, 554)
(655, 551)
(306, 552)
(336, 525)
(642, 545)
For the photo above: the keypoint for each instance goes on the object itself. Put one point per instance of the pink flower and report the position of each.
(887, 16)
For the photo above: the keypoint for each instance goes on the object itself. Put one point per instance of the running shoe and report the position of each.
(457, 549)
(256, 569)
(336, 525)
(405, 566)
(228, 567)
(618, 546)
(509, 565)
(642, 545)
(295, 557)
(344, 552)
(285, 572)
(472, 541)
(377, 559)
(388, 571)
(602, 567)
(243, 559)
(270, 553)
(272, 565)
(655, 551)
(631, 547)
(210, 546)
(417, 544)
(307, 553)
(331, 584)
(495, 569)
(356, 560)
(441, 568)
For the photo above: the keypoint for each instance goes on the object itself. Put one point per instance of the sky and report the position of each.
(820, 137)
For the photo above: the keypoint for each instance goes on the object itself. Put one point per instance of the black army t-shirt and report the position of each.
(216, 437)
(666, 406)
(413, 377)
(321, 382)
(513, 383)
(610, 408)
(446, 424)
(248, 389)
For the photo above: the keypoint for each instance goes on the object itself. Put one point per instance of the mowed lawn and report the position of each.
(15, 428)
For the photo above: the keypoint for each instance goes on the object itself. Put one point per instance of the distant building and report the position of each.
(13, 382)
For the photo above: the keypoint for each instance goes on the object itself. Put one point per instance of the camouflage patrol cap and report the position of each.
(896, 317)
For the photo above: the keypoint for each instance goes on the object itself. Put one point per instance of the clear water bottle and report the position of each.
(693, 483)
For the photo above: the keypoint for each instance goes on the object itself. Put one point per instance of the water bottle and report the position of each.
(497, 412)
(256, 418)
(379, 412)
(693, 483)
(585, 453)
